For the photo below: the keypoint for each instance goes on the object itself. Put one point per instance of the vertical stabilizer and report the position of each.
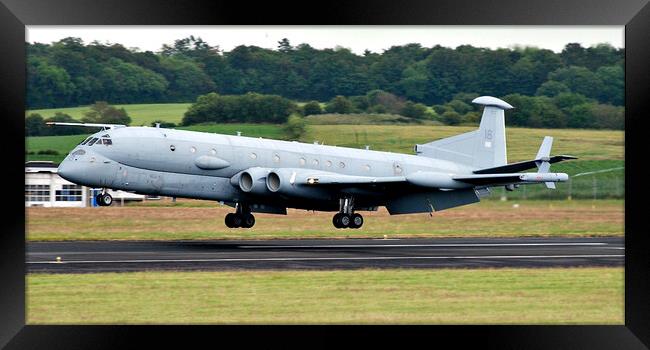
(482, 148)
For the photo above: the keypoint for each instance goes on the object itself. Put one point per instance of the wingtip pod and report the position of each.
(492, 101)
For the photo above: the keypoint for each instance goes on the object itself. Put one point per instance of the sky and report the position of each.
(356, 38)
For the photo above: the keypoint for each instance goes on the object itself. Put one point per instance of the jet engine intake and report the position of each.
(253, 180)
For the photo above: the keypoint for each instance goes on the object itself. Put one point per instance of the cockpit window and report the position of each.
(92, 141)
(107, 142)
(85, 141)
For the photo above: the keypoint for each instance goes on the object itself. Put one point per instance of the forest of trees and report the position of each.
(566, 87)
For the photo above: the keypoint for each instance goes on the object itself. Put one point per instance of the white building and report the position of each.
(45, 188)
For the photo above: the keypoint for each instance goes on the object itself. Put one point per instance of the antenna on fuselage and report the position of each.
(238, 133)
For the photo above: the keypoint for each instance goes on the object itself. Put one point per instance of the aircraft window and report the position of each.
(172, 148)
(253, 156)
(192, 149)
(303, 161)
(99, 142)
(213, 152)
(85, 141)
(108, 142)
(106, 135)
(328, 163)
(276, 158)
(92, 141)
(314, 162)
(341, 165)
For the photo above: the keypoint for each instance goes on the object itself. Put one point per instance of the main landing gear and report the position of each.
(346, 217)
(242, 217)
(104, 199)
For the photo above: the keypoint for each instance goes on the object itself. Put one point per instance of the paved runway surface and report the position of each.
(323, 254)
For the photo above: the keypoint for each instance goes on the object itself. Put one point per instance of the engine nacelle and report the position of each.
(253, 180)
(293, 182)
(435, 180)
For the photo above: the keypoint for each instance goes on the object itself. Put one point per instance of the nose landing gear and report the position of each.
(346, 218)
(104, 199)
(242, 217)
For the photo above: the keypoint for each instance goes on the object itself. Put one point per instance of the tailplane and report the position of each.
(482, 148)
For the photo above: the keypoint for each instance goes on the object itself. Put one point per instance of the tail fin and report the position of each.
(542, 160)
(482, 148)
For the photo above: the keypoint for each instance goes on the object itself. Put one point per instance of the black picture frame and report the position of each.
(634, 14)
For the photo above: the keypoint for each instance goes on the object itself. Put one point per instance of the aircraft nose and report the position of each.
(69, 171)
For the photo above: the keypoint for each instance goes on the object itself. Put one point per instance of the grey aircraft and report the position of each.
(256, 175)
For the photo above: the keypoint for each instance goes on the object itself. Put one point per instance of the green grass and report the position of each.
(204, 220)
(395, 296)
(141, 114)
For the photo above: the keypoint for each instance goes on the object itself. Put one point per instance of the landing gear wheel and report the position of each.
(356, 221)
(232, 220)
(248, 221)
(104, 199)
(344, 220)
(336, 220)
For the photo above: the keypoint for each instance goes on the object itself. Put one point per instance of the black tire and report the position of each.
(248, 221)
(345, 220)
(105, 199)
(229, 220)
(98, 200)
(335, 220)
(237, 220)
(356, 221)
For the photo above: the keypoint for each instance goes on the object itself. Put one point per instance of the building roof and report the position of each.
(41, 167)
(41, 164)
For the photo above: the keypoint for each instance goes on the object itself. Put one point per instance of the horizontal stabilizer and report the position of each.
(521, 166)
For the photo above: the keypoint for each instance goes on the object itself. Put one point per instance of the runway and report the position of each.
(122, 256)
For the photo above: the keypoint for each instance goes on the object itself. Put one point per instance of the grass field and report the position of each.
(141, 114)
(414, 296)
(204, 220)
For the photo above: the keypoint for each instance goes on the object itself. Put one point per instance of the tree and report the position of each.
(339, 104)
(551, 88)
(459, 106)
(248, 108)
(414, 110)
(608, 116)
(34, 125)
(311, 108)
(103, 113)
(451, 118)
(295, 127)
